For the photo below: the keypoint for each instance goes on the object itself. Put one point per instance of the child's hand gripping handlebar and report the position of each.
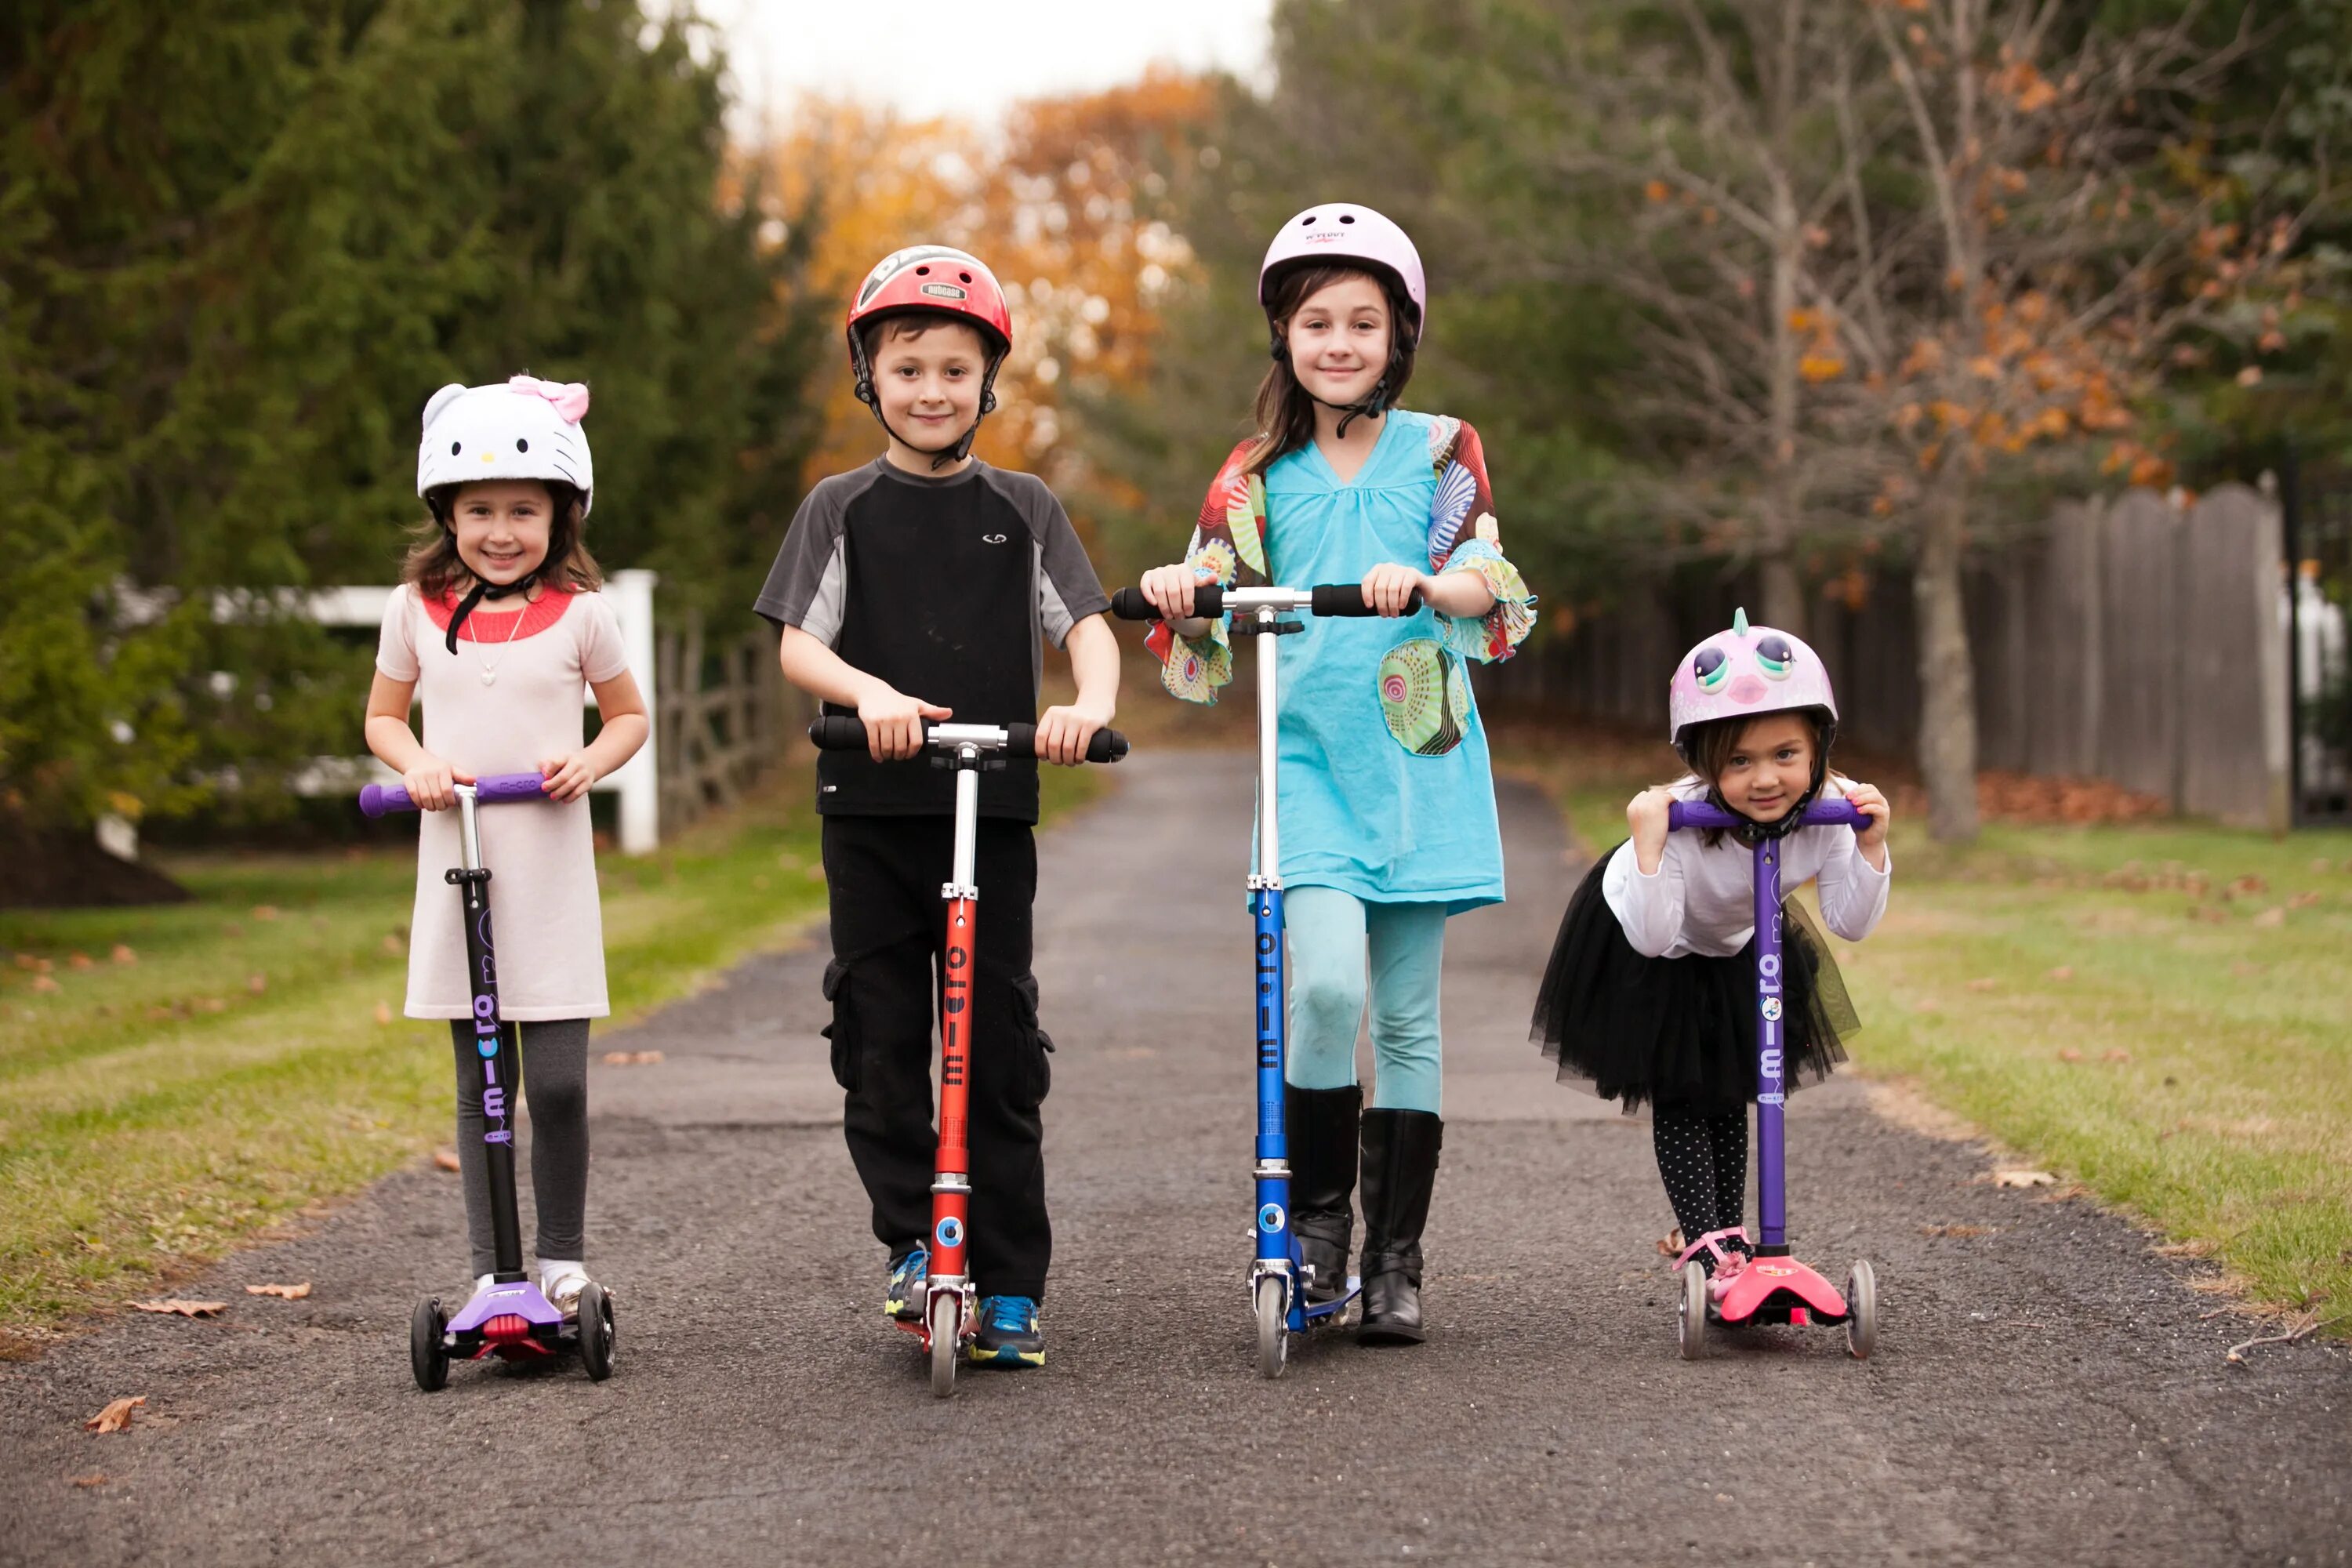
(382, 800)
(846, 732)
(1820, 814)
(1211, 600)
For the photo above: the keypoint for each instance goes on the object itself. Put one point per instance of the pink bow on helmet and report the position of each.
(570, 397)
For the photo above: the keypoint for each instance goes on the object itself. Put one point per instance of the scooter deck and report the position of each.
(1778, 1290)
(513, 1320)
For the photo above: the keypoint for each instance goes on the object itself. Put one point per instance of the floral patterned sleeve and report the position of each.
(1228, 549)
(1462, 537)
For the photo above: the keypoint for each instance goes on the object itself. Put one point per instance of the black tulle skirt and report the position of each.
(1680, 1031)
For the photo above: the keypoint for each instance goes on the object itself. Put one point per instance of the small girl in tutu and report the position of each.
(1651, 994)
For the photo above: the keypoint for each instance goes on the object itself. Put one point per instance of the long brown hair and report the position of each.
(1285, 413)
(436, 567)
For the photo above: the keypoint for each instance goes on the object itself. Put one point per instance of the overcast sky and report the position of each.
(975, 59)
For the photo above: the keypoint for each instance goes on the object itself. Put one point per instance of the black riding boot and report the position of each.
(1321, 1127)
(1400, 1170)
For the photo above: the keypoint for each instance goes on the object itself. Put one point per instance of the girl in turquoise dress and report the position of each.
(1387, 794)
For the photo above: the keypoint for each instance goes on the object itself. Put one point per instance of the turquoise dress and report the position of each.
(1387, 791)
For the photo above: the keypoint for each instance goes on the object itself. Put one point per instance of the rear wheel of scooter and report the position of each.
(596, 1332)
(428, 1353)
(1273, 1330)
(1861, 1310)
(946, 1335)
(1690, 1328)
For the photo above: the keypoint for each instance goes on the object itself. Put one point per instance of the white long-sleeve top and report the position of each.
(1702, 899)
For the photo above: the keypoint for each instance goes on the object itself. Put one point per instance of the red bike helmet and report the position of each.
(933, 279)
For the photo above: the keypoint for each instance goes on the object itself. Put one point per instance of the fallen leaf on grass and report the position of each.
(265, 911)
(116, 1415)
(82, 961)
(2023, 1178)
(444, 1159)
(122, 954)
(2304, 900)
(2214, 914)
(2115, 1053)
(44, 982)
(392, 944)
(384, 1012)
(1984, 983)
(211, 1005)
(1671, 1244)
(179, 1308)
(2070, 1055)
(257, 983)
(26, 960)
(2064, 972)
(2246, 971)
(283, 1292)
(95, 1479)
(631, 1059)
(2273, 916)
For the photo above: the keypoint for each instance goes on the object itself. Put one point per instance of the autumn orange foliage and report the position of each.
(1059, 201)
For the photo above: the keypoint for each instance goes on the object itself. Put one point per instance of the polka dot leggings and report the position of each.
(1703, 1160)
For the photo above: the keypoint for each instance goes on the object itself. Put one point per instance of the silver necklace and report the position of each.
(489, 670)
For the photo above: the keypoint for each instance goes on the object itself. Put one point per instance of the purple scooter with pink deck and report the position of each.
(1775, 1288)
(510, 1320)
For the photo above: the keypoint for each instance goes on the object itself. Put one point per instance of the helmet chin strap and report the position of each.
(942, 457)
(1371, 406)
(486, 589)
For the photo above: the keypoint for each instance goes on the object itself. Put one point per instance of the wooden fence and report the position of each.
(2129, 639)
(727, 715)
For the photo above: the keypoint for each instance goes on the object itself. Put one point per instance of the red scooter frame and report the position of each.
(949, 1296)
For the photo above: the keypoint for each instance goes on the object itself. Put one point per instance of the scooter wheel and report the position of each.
(428, 1353)
(946, 1324)
(1691, 1315)
(1272, 1302)
(596, 1332)
(1861, 1310)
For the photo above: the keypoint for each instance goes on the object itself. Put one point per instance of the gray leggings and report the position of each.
(555, 1090)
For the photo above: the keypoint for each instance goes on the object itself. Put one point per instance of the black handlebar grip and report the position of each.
(837, 732)
(1348, 599)
(1129, 604)
(1107, 746)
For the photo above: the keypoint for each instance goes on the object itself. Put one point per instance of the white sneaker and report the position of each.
(481, 1283)
(561, 1280)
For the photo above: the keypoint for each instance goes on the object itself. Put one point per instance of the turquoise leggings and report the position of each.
(1336, 941)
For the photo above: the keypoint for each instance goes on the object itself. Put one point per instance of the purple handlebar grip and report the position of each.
(1685, 813)
(381, 800)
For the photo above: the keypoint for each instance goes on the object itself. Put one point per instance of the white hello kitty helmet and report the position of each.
(522, 428)
(1745, 673)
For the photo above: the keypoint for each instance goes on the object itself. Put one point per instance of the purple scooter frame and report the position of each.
(1775, 1288)
(511, 1319)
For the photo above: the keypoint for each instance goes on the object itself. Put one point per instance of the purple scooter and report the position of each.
(509, 1319)
(1775, 1288)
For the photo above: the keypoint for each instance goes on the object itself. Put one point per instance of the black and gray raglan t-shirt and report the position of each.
(944, 588)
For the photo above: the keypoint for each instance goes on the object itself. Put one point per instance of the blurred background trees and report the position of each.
(1730, 287)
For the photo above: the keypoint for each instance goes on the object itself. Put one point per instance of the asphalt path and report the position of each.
(2047, 1388)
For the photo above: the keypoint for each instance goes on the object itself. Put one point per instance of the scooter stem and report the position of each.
(1772, 1076)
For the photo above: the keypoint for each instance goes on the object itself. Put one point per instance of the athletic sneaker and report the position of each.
(903, 1302)
(1009, 1334)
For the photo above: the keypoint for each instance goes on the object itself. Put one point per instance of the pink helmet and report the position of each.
(1340, 233)
(1745, 673)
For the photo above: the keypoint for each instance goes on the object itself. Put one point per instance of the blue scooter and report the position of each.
(1279, 1278)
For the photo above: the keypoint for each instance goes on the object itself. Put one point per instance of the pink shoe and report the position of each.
(1729, 1264)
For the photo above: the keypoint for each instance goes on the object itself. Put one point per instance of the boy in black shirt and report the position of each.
(913, 589)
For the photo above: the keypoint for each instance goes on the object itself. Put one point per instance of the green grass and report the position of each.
(250, 1062)
(2158, 1011)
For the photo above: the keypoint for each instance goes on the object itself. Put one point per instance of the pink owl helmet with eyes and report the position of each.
(1745, 673)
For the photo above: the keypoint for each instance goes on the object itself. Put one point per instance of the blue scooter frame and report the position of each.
(1278, 1274)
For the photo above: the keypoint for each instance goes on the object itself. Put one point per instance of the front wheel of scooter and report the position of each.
(428, 1349)
(946, 1336)
(596, 1332)
(1690, 1328)
(1861, 1310)
(1273, 1325)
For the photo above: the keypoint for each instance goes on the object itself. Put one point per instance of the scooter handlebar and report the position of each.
(846, 732)
(1209, 601)
(497, 789)
(1685, 813)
